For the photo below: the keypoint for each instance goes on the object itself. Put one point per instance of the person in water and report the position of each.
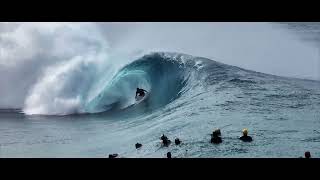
(165, 141)
(138, 145)
(307, 155)
(215, 137)
(245, 136)
(140, 92)
(177, 141)
(113, 155)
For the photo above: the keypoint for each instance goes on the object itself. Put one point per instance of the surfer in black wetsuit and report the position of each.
(215, 137)
(307, 155)
(140, 92)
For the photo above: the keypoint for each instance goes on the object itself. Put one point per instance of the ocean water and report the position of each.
(190, 96)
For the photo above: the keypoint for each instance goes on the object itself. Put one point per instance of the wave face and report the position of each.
(166, 76)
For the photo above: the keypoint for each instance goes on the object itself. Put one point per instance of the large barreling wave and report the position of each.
(166, 76)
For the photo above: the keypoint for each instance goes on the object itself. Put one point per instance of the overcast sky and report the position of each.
(263, 47)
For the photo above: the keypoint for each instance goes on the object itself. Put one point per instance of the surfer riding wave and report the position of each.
(140, 92)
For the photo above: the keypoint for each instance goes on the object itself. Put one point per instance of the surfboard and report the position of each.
(141, 98)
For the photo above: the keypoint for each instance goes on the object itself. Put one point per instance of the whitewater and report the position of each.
(68, 92)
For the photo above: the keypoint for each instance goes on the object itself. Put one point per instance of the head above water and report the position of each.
(245, 132)
(307, 154)
(216, 132)
(169, 155)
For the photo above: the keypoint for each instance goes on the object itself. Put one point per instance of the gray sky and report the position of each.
(263, 47)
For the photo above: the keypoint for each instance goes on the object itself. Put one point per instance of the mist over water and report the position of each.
(264, 47)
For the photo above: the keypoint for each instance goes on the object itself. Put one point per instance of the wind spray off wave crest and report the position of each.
(64, 86)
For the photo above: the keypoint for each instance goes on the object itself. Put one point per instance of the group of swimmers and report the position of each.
(215, 139)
